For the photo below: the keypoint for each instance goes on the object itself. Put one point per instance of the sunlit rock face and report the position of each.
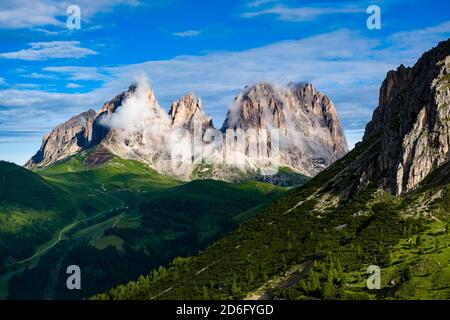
(413, 122)
(310, 134)
(133, 125)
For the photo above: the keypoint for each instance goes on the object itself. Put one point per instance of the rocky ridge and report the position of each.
(311, 137)
(412, 122)
(133, 125)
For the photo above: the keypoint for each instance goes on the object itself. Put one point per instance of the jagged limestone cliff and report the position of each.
(133, 125)
(412, 122)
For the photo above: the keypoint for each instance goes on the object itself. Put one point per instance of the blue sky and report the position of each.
(213, 48)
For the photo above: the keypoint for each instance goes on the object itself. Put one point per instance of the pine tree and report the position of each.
(264, 276)
(339, 271)
(359, 250)
(313, 283)
(409, 231)
(250, 277)
(234, 288)
(162, 272)
(406, 274)
(328, 291)
(332, 270)
(381, 247)
(205, 294)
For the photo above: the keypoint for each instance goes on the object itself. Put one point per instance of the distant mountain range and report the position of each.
(133, 125)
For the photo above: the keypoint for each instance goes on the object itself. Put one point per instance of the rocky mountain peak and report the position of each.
(111, 105)
(133, 125)
(412, 122)
(66, 139)
(309, 129)
(185, 110)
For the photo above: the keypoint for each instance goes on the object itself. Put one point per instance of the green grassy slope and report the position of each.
(313, 244)
(31, 210)
(24, 188)
(129, 217)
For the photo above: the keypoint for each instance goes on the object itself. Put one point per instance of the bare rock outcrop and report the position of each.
(66, 139)
(310, 134)
(412, 122)
(186, 110)
(134, 126)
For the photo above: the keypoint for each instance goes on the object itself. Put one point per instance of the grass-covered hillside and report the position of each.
(31, 210)
(316, 243)
(116, 220)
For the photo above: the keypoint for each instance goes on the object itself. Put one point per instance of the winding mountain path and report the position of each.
(61, 234)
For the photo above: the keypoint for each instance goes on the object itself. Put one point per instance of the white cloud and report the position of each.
(258, 3)
(50, 50)
(37, 75)
(429, 37)
(27, 14)
(218, 77)
(2, 82)
(30, 99)
(76, 73)
(40, 111)
(304, 13)
(353, 137)
(72, 85)
(188, 33)
(27, 86)
(22, 14)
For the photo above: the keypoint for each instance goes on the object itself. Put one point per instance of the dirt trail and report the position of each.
(61, 234)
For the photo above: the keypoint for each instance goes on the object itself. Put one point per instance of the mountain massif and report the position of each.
(311, 137)
(134, 126)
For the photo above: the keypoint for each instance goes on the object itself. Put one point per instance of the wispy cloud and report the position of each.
(72, 85)
(50, 50)
(411, 39)
(258, 3)
(76, 73)
(187, 33)
(33, 86)
(342, 72)
(37, 75)
(23, 14)
(28, 14)
(302, 13)
(2, 82)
